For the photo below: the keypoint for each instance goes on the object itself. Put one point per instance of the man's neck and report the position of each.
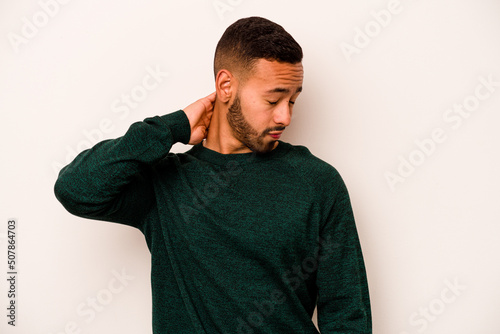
(220, 137)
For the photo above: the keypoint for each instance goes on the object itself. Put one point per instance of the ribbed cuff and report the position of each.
(179, 126)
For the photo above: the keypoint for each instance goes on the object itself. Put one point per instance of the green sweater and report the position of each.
(240, 243)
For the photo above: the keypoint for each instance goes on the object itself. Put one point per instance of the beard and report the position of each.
(245, 133)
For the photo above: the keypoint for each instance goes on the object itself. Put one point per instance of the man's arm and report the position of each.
(105, 182)
(343, 299)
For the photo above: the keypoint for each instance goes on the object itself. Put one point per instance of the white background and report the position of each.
(363, 112)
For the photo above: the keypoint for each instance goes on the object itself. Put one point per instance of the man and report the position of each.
(247, 233)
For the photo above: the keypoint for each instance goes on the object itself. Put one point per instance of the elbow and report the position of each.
(65, 194)
(62, 194)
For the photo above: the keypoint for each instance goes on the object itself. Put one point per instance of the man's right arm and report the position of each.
(106, 182)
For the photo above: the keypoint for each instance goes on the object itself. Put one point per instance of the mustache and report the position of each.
(278, 128)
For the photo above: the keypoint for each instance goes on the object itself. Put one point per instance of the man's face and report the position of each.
(262, 106)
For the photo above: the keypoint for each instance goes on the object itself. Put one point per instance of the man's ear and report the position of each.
(225, 83)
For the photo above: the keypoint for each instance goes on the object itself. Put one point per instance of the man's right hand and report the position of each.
(200, 114)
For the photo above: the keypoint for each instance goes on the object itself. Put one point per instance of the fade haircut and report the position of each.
(250, 39)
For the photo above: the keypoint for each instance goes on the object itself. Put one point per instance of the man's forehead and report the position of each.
(283, 90)
(279, 77)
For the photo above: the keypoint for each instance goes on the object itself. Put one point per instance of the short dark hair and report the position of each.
(253, 38)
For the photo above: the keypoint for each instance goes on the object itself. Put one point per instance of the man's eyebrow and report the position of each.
(283, 90)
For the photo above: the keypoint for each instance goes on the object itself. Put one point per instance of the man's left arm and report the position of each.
(343, 298)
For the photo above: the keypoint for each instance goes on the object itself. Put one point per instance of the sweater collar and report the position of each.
(201, 152)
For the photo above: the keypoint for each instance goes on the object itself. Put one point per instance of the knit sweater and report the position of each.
(240, 243)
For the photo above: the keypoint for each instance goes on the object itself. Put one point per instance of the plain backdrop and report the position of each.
(402, 97)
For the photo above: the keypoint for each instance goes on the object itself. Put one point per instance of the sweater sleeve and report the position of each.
(108, 182)
(343, 298)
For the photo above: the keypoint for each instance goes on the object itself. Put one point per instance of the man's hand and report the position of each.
(200, 114)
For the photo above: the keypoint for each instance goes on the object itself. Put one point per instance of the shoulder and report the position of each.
(328, 186)
(309, 165)
(171, 163)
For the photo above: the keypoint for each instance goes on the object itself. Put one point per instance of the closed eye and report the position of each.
(274, 103)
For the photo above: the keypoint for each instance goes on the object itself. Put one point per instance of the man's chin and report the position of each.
(264, 148)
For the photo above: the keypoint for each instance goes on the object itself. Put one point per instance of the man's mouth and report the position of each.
(276, 134)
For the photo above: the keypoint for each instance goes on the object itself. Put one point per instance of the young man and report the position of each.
(247, 233)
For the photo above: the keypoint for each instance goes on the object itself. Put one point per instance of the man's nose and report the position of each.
(283, 114)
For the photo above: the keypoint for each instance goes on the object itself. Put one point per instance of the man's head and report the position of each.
(258, 73)
(250, 39)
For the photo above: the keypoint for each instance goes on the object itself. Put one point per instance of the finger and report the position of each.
(212, 97)
(208, 101)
